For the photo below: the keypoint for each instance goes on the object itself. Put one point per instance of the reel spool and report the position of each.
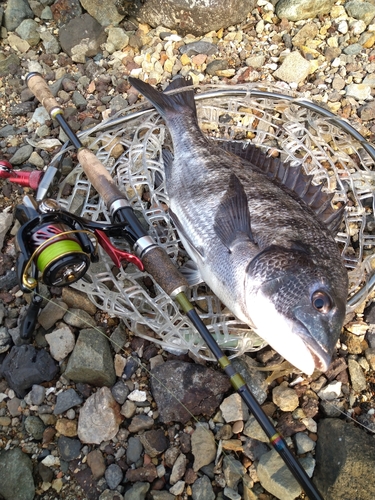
(53, 245)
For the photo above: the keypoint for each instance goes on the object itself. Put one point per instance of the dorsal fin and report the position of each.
(292, 178)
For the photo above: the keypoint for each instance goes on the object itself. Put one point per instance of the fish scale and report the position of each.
(259, 233)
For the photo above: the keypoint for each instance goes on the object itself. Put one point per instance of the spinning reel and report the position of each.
(53, 245)
(57, 247)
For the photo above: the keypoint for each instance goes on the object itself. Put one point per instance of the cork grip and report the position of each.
(99, 177)
(40, 89)
(164, 272)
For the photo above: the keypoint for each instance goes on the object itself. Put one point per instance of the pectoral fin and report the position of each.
(232, 221)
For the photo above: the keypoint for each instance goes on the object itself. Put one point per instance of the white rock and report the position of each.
(138, 396)
(233, 409)
(331, 391)
(61, 342)
(359, 91)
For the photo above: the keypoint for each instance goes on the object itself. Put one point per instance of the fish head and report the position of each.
(296, 307)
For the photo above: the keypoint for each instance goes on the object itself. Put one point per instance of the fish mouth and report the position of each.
(321, 358)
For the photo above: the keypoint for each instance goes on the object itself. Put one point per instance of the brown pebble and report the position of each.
(48, 435)
(95, 461)
(190, 476)
(237, 427)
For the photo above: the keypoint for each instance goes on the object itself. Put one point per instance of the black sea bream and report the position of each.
(261, 235)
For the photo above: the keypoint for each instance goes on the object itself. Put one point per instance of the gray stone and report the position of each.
(40, 116)
(193, 17)
(78, 100)
(276, 478)
(198, 388)
(51, 313)
(294, 68)
(83, 29)
(78, 318)
(113, 475)
(137, 492)
(296, 10)
(202, 489)
(25, 366)
(165, 495)
(34, 426)
(353, 49)
(134, 450)
(50, 43)
(118, 337)
(140, 423)
(28, 30)
(364, 11)
(69, 448)
(254, 378)
(37, 394)
(9, 65)
(99, 418)
(105, 13)
(91, 361)
(16, 475)
(304, 444)
(199, 47)
(357, 376)
(345, 461)
(233, 471)
(120, 391)
(65, 400)
(117, 39)
(16, 11)
(21, 155)
(253, 430)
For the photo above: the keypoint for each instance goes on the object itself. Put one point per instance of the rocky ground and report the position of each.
(85, 418)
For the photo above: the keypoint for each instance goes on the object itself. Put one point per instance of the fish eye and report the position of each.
(321, 301)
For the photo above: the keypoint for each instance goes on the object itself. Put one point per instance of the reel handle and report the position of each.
(42, 92)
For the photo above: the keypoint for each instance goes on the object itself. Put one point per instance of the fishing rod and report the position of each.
(158, 264)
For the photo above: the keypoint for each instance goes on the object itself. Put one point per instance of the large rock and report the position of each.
(16, 475)
(185, 389)
(25, 366)
(345, 461)
(105, 13)
(85, 32)
(99, 418)
(91, 361)
(16, 11)
(192, 16)
(296, 10)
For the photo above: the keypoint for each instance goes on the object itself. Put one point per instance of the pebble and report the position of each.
(113, 475)
(285, 397)
(154, 442)
(303, 443)
(34, 426)
(61, 342)
(233, 408)
(120, 392)
(96, 462)
(294, 69)
(359, 91)
(233, 471)
(21, 155)
(51, 313)
(331, 391)
(99, 418)
(69, 448)
(202, 489)
(65, 400)
(179, 469)
(357, 376)
(17, 483)
(203, 447)
(140, 423)
(134, 450)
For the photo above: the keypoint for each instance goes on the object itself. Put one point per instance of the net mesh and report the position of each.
(130, 146)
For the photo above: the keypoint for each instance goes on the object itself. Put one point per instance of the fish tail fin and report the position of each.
(168, 104)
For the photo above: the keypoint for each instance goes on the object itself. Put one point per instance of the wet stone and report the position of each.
(65, 400)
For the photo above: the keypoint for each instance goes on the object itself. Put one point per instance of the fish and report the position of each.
(260, 232)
